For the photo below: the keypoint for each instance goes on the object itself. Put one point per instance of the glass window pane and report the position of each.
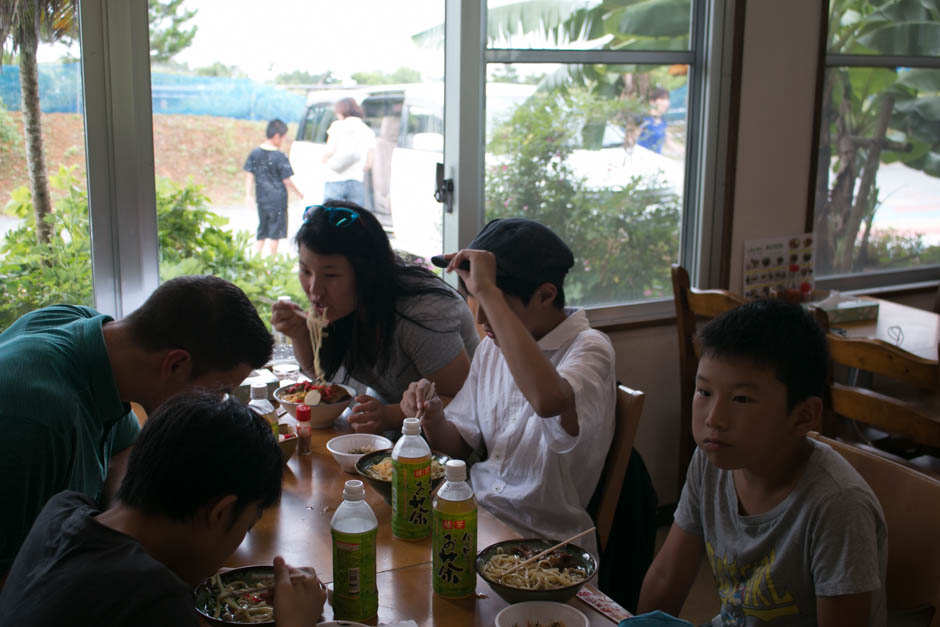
(601, 162)
(878, 201)
(886, 27)
(250, 62)
(620, 25)
(58, 270)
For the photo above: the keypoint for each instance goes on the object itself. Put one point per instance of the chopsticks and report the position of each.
(428, 395)
(546, 552)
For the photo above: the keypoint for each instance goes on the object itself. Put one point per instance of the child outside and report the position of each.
(793, 534)
(268, 173)
(541, 390)
(200, 475)
(653, 132)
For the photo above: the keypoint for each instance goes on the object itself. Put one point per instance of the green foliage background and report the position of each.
(192, 240)
(624, 239)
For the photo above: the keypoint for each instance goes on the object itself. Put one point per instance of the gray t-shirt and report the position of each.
(826, 538)
(430, 331)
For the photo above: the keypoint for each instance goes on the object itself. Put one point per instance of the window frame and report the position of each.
(708, 58)
(880, 279)
(119, 142)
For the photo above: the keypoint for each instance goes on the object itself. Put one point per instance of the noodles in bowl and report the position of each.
(556, 577)
(237, 597)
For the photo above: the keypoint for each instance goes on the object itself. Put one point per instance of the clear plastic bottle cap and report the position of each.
(259, 390)
(353, 490)
(283, 299)
(303, 413)
(455, 470)
(411, 426)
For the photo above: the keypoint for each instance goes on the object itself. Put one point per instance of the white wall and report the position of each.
(775, 138)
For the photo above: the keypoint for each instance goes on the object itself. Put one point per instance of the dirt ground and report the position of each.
(211, 150)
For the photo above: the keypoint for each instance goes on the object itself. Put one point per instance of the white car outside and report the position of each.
(409, 124)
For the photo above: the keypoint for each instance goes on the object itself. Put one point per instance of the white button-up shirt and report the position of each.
(537, 477)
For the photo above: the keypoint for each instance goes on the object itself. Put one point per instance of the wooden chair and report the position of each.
(627, 419)
(692, 304)
(887, 413)
(880, 357)
(911, 504)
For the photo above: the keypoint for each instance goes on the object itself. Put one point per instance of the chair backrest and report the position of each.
(886, 413)
(628, 410)
(911, 504)
(880, 357)
(692, 304)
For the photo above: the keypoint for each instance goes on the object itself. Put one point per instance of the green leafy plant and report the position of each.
(624, 238)
(192, 240)
(9, 133)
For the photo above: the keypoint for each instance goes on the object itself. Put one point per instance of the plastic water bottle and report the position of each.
(354, 529)
(454, 532)
(260, 403)
(284, 364)
(411, 484)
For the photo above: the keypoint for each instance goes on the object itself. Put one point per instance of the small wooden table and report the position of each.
(920, 328)
(299, 530)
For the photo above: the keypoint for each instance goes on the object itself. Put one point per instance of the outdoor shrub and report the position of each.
(192, 240)
(623, 238)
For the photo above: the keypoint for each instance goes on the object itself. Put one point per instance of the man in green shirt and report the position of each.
(68, 374)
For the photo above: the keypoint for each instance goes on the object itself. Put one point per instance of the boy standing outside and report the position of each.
(183, 508)
(541, 390)
(793, 534)
(653, 135)
(268, 172)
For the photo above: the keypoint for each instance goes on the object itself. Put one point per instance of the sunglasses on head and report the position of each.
(340, 217)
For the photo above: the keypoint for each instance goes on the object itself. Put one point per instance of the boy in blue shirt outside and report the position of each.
(268, 172)
(793, 534)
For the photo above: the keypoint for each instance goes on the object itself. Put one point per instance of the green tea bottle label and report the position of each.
(454, 553)
(355, 596)
(411, 499)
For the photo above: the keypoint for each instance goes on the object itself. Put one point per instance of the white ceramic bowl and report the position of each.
(321, 416)
(543, 612)
(341, 445)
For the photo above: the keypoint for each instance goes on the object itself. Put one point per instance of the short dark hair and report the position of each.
(209, 317)
(657, 93)
(197, 447)
(275, 127)
(777, 335)
(349, 108)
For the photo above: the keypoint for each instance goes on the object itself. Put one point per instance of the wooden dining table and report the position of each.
(298, 529)
(915, 330)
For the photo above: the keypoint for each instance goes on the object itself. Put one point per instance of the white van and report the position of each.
(408, 121)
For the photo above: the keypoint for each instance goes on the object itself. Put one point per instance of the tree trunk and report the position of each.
(863, 200)
(32, 131)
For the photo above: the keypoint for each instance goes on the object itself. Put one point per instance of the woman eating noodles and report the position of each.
(376, 319)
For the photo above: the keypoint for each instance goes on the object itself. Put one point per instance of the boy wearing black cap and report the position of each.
(540, 394)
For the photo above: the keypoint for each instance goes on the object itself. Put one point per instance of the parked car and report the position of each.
(408, 121)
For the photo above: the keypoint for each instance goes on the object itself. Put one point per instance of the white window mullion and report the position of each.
(119, 147)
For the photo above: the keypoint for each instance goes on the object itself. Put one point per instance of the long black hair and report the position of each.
(383, 279)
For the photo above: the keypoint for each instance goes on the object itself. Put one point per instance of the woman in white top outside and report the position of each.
(348, 155)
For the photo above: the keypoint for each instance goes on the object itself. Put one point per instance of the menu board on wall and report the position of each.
(769, 264)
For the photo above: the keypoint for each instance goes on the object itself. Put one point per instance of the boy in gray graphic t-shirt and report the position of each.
(793, 534)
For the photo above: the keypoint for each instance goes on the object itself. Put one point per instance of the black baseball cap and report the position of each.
(524, 249)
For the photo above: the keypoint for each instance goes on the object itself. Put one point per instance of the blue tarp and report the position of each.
(241, 98)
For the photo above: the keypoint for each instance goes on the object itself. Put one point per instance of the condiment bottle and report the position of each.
(260, 403)
(791, 292)
(354, 528)
(454, 532)
(304, 434)
(411, 484)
